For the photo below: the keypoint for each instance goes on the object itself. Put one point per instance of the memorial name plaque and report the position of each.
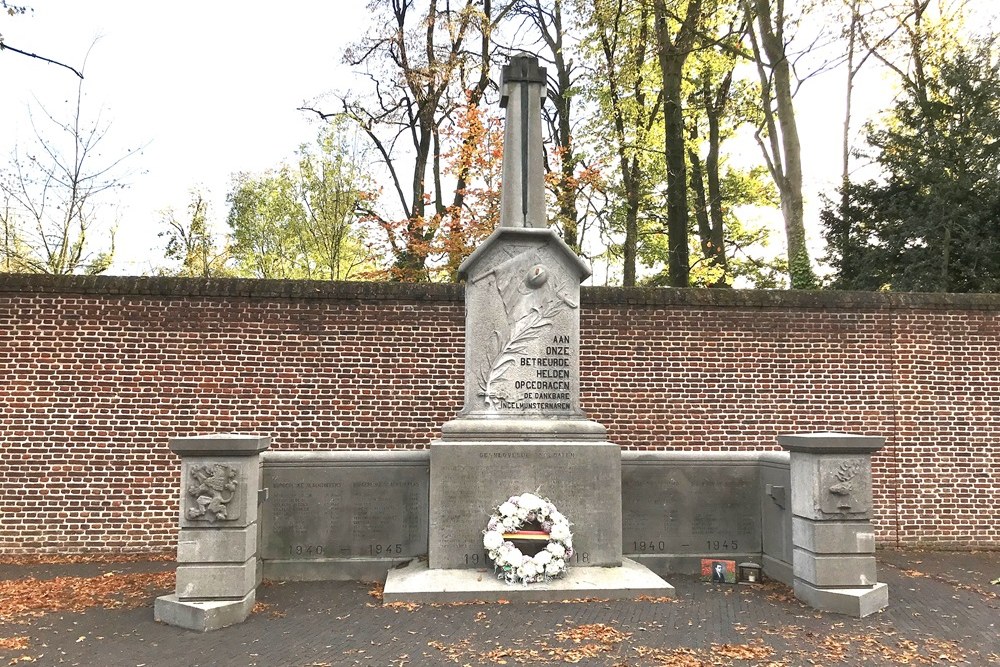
(330, 511)
(673, 508)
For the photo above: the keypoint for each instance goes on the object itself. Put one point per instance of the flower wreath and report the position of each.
(508, 561)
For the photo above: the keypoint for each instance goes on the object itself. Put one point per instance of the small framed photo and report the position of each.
(718, 571)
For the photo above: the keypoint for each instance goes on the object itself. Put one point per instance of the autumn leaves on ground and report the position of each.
(23, 600)
(588, 632)
(575, 643)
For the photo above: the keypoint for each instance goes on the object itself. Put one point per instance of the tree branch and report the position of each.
(8, 47)
(322, 115)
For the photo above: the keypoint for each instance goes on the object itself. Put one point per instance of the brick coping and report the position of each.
(160, 286)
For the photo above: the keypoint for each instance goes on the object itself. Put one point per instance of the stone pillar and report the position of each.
(522, 92)
(218, 570)
(833, 556)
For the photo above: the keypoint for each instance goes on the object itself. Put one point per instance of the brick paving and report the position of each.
(943, 611)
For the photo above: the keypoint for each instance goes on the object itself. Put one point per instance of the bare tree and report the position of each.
(550, 22)
(12, 9)
(53, 208)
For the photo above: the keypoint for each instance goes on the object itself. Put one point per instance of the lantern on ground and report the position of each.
(749, 573)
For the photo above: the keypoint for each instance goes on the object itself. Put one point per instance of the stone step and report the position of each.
(414, 582)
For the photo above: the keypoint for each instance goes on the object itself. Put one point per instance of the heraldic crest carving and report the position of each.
(212, 487)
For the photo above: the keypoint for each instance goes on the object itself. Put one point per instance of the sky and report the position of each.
(207, 89)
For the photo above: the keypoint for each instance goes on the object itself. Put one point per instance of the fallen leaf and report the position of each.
(593, 632)
(13, 643)
(376, 591)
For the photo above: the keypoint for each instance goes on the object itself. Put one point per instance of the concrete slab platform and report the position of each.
(856, 602)
(415, 582)
(203, 616)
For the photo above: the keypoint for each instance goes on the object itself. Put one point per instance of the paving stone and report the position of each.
(942, 607)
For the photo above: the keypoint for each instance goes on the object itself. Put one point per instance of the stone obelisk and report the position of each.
(522, 299)
(522, 197)
(521, 428)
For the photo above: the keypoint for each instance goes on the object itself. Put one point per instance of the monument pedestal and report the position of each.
(833, 541)
(218, 570)
(469, 479)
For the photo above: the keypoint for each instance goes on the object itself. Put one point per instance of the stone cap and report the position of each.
(220, 444)
(522, 68)
(831, 443)
(300, 458)
(528, 235)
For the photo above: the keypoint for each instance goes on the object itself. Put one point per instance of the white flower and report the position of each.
(554, 568)
(493, 555)
(556, 516)
(510, 523)
(493, 539)
(530, 501)
(527, 569)
(507, 509)
(514, 558)
(560, 532)
(542, 557)
(522, 513)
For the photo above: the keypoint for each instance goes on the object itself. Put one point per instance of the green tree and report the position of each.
(626, 84)
(932, 223)
(300, 221)
(676, 37)
(719, 104)
(190, 242)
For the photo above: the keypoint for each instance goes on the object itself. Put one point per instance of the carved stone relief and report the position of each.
(845, 485)
(211, 488)
(531, 289)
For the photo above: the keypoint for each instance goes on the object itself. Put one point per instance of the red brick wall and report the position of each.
(98, 373)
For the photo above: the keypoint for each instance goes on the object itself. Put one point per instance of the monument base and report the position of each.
(330, 569)
(469, 479)
(414, 582)
(857, 602)
(480, 429)
(777, 569)
(202, 616)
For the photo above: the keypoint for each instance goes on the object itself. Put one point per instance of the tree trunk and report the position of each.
(785, 160)
(717, 235)
(672, 55)
(701, 205)
(630, 250)
(566, 196)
